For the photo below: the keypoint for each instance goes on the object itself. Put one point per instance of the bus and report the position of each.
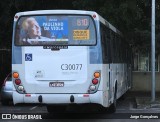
(64, 57)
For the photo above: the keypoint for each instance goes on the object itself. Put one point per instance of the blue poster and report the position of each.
(43, 28)
(57, 28)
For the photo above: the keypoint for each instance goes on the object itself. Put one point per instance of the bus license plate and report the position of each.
(56, 84)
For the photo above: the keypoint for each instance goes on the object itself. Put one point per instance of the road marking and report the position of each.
(33, 107)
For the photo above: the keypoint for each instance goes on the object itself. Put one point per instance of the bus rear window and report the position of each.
(55, 30)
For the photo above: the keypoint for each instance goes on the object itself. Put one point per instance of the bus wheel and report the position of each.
(112, 108)
(56, 108)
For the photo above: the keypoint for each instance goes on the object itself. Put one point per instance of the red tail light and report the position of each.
(17, 81)
(95, 81)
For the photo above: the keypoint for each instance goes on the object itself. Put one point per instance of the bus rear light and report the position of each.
(92, 88)
(17, 81)
(15, 75)
(95, 81)
(96, 74)
(20, 88)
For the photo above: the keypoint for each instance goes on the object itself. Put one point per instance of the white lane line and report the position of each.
(33, 107)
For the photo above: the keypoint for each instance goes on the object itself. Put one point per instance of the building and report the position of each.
(142, 78)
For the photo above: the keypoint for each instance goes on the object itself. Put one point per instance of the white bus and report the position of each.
(63, 57)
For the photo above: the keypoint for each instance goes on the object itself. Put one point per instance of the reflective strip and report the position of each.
(86, 95)
(28, 95)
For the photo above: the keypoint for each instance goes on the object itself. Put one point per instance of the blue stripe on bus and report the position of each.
(16, 51)
(95, 52)
(16, 55)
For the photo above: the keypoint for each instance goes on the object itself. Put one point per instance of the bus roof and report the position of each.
(55, 12)
(105, 22)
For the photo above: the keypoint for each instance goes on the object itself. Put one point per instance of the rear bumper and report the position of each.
(59, 98)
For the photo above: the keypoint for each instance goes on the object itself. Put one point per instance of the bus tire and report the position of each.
(112, 108)
(56, 108)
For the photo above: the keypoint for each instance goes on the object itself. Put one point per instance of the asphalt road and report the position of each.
(125, 109)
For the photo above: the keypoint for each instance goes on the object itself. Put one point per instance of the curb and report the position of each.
(145, 103)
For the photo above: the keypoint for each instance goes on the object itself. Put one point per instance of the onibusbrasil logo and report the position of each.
(19, 116)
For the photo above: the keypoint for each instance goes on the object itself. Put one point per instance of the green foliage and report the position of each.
(131, 17)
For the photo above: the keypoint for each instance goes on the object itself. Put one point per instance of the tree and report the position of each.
(132, 18)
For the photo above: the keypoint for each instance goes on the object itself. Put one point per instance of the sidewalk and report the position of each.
(143, 100)
(145, 103)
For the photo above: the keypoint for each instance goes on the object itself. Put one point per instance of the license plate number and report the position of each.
(56, 84)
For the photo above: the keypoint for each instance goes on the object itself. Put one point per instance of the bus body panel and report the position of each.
(75, 67)
(68, 66)
(97, 97)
